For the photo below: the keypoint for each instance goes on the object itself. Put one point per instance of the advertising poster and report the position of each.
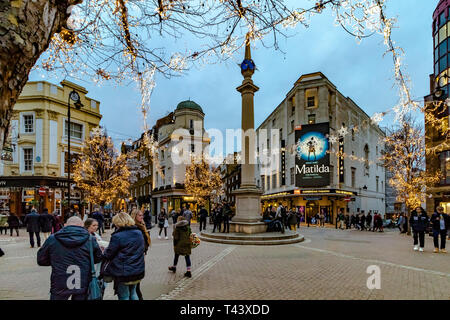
(312, 161)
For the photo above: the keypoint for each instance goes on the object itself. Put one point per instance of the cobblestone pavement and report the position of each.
(330, 264)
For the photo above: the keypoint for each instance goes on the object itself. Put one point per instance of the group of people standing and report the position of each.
(121, 260)
(286, 218)
(221, 216)
(360, 221)
(440, 226)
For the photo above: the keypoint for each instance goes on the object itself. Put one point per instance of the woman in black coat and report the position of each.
(125, 254)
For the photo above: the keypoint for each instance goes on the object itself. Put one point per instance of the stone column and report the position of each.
(248, 196)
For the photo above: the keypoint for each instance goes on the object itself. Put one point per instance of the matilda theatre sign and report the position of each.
(312, 161)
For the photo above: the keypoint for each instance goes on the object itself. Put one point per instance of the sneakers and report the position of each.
(173, 269)
(421, 250)
(188, 274)
(416, 247)
(159, 237)
(443, 251)
(166, 238)
(436, 250)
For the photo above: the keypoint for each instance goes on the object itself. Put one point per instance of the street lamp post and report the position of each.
(75, 97)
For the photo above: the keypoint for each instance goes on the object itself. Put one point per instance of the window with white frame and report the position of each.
(28, 123)
(28, 159)
(76, 130)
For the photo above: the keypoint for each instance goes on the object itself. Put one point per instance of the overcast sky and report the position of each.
(357, 70)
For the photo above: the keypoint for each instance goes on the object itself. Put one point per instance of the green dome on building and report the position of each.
(188, 104)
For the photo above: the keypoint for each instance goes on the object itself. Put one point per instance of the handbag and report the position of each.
(94, 290)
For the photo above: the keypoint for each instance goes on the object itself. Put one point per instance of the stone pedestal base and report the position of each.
(248, 217)
(248, 227)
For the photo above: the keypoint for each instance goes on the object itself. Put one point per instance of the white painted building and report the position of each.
(314, 99)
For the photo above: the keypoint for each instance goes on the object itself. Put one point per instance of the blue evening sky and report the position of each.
(357, 70)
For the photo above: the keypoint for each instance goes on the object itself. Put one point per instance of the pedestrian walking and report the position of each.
(441, 223)
(341, 219)
(46, 222)
(182, 245)
(13, 223)
(174, 215)
(138, 218)
(33, 227)
(322, 219)
(125, 254)
(163, 223)
(100, 219)
(203, 215)
(379, 222)
(67, 252)
(187, 214)
(148, 219)
(3, 223)
(362, 221)
(369, 220)
(400, 222)
(419, 222)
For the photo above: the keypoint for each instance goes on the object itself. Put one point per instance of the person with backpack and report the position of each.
(163, 223)
(419, 222)
(182, 245)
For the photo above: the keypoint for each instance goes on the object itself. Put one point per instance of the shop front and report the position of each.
(312, 202)
(174, 200)
(18, 195)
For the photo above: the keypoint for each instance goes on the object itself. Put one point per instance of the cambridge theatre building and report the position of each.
(316, 173)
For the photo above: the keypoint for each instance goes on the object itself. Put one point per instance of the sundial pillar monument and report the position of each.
(248, 196)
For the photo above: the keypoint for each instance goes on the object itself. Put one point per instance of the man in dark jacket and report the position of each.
(46, 222)
(32, 221)
(217, 218)
(99, 217)
(203, 215)
(441, 223)
(419, 222)
(226, 217)
(13, 222)
(67, 252)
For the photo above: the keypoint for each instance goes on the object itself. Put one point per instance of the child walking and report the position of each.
(182, 244)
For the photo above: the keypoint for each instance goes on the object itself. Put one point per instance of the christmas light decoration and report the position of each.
(101, 172)
(202, 181)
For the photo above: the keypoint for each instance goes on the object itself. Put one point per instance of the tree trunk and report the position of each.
(26, 30)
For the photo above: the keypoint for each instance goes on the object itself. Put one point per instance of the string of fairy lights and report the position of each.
(96, 29)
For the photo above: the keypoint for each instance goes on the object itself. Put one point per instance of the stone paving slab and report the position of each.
(329, 264)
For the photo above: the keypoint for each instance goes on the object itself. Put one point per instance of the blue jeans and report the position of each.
(127, 292)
